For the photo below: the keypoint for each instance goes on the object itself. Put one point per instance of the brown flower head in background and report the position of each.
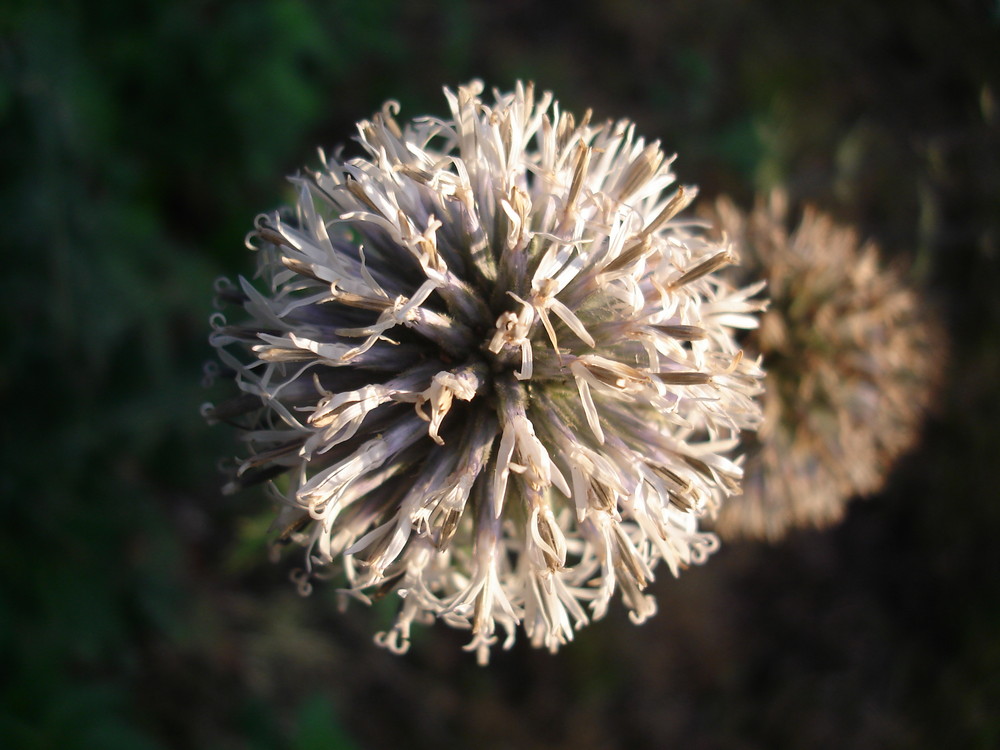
(852, 354)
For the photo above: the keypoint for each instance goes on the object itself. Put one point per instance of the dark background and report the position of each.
(138, 609)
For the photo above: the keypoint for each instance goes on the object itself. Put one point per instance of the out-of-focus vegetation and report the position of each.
(137, 607)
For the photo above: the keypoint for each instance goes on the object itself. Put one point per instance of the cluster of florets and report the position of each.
(489, 371)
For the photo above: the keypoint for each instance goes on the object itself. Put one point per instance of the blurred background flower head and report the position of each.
(853, 354)
(495, 369)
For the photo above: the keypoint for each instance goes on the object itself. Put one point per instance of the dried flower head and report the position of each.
(489, 372)
(851, 358)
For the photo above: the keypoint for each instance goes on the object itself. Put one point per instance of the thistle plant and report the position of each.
(487, 371)
(852, 356)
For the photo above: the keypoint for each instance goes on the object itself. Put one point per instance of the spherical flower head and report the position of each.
(852, 355)
(489, 372)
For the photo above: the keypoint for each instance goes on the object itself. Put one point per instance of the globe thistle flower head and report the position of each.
(489, 372)
(852, 357)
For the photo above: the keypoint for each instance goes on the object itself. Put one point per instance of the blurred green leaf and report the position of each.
(318, 729)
